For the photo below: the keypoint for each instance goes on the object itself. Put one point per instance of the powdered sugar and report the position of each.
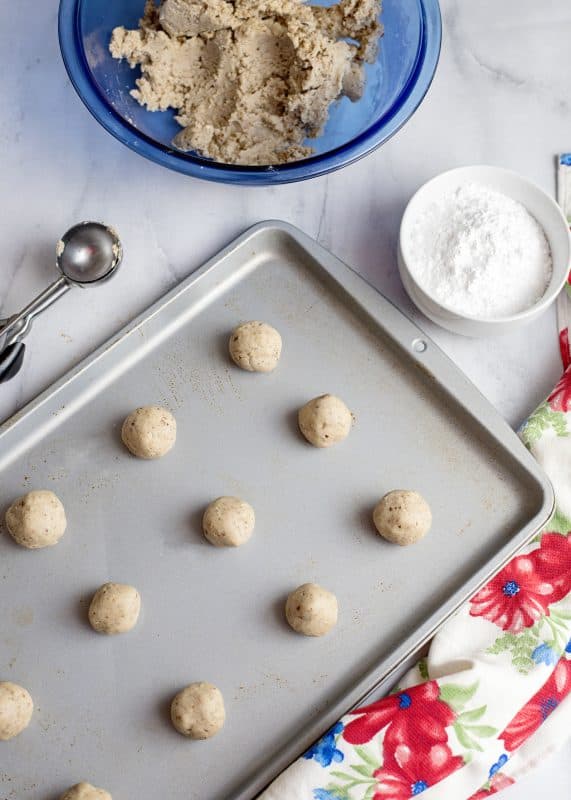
(480, 253)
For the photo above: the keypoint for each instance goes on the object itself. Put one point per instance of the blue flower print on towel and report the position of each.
(568, 648)
(323, 794)
(544, 654)
(565, 159)
(325, 752)
(501, 762)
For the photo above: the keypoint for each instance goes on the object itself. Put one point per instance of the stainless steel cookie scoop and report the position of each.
(87, 255)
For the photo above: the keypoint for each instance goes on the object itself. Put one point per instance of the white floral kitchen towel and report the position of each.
(493, 696)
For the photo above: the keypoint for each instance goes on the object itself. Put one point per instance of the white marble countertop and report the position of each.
(501, 96)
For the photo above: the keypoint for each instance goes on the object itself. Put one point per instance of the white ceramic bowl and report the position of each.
(538, 203)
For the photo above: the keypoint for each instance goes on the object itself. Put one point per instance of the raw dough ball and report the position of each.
(115, 608)
(85, 791)
(311, 610)
(36, 520)
(325, 420)
(228, 522)
(198, 711)
(402, 517)
(16, 708)
(149, 432)
(255, 346)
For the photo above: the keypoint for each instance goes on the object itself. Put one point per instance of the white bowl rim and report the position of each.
(553, 288)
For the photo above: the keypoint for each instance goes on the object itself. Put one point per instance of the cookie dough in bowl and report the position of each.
(250, 79)
(198, 711)
(325, 420)
(228, 522)
(403, 517)
(115, 608)
(85, 791)
(255, 346)
(36, 520)
(149, 432)
(311, 610)
(16, 707)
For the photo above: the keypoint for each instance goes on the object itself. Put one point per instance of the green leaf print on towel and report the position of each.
(558, 523)
(543, 643)
(540, 421)
(456, 695)
(519, 646)
(468, 725)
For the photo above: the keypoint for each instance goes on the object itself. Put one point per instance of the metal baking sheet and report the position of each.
(209, 614)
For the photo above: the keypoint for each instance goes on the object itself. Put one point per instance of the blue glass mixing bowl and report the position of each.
(395, 87)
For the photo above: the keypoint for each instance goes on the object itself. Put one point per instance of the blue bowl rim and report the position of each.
(375, 135)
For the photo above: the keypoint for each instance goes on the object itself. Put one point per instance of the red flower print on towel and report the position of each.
(536, 711)
(497, 783)
(516, 598)
(553, 562)
(564, 347)
(560, 397)
(409, 771)
(413, 713)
